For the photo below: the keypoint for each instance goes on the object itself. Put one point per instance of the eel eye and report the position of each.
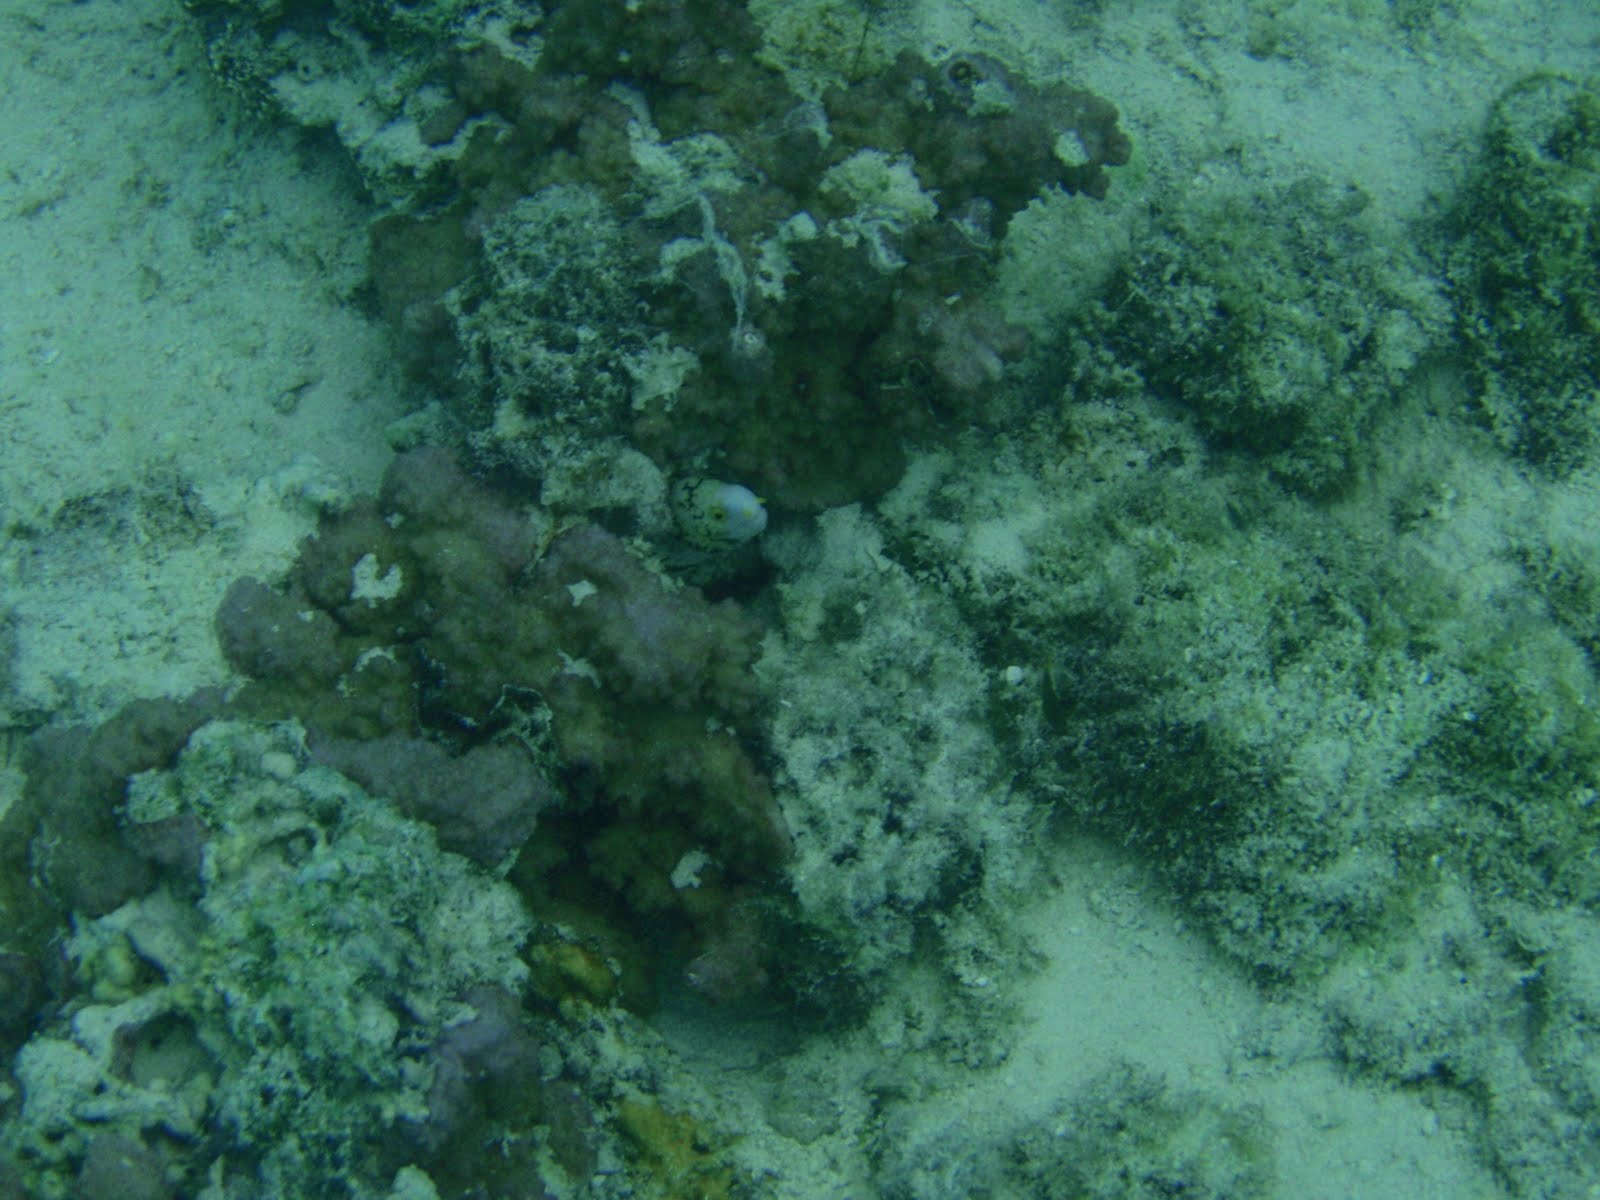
(962, 72)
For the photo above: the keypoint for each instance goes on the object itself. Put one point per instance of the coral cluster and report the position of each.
(815, 270)
(435, 656)
(633, 223)
(904, 804)
(63, 846)
(493, 782)
(1360, 769)
(1128, 1135)
(557, 749)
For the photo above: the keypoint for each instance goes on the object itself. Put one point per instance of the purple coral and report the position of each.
(428, 487)
(483, 1066)
(484, 803)
(650, 643)
(268, 635)
(669, 668)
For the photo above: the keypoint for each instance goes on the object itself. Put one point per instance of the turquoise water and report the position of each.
(803, 600)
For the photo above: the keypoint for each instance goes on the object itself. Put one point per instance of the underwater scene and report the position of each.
(799, 600)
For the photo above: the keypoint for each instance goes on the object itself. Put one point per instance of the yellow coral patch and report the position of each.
(682, 1159)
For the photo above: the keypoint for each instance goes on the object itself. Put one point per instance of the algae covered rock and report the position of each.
(1281, 319)
(896, 790)
(1131, 1136)
(1526, 272)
